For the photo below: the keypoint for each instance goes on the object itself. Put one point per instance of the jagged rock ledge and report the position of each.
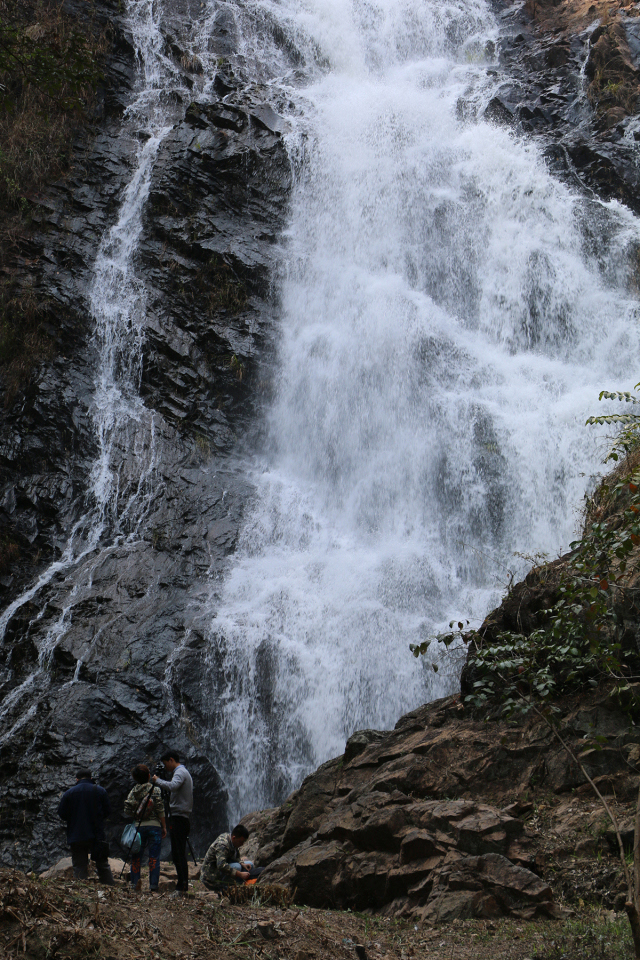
(426, 821)
(570, 76)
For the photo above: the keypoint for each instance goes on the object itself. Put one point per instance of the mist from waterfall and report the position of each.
(445, 332)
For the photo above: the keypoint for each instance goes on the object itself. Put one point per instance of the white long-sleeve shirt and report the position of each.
(181, 787)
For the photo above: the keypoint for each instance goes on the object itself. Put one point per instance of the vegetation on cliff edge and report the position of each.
(50, 67)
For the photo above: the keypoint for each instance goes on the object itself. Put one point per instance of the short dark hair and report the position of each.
(141, 773)
(171, 755)
(240, 831)
(83, 774)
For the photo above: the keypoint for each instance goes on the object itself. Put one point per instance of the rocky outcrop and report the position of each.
(573, 80)
(379, 828)
(47, 441)
(436, 860)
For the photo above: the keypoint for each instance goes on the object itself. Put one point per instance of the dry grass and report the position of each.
(35, 147)
(40, 920)
(36, 133)
(268, 894)
(23, 340)
(9, 554)
(220, 287)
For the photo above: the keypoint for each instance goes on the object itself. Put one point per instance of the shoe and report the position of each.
(176, 894)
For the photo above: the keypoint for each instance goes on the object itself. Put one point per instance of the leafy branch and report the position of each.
(577, 639)
(630, 435)
(632, 905)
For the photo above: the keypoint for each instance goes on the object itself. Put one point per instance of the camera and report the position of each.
(159, 769)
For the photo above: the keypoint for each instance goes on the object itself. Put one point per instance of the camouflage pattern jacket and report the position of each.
(216, 866)
(155, 807)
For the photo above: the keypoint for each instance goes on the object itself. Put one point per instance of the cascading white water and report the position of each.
(444, 335)
(445, 332)
(117, 303)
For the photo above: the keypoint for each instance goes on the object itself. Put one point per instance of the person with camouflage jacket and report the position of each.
(222, 865)
(146, 802)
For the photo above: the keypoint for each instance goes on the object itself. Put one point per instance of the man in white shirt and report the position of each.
(180, 787)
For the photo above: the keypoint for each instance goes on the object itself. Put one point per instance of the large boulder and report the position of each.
(386, 852)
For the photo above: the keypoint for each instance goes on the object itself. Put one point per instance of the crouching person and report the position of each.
(85, 807)
(145, 805)
(223, 865)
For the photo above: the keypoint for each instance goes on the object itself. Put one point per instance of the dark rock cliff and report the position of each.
(570, 75)
(132, 650)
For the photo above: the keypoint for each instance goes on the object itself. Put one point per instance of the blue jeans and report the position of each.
(151, 837)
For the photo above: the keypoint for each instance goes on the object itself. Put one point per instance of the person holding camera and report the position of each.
(145, 805)
(85, 807)
(180, 788)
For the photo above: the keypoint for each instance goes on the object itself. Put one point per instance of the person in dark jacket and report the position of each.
(85, 807)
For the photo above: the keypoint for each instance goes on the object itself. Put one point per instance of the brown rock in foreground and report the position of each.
(401, 824)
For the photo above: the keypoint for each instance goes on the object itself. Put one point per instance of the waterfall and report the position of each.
(445, 331)
(445, 326)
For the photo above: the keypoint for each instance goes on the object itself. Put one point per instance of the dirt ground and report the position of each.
(61, 918)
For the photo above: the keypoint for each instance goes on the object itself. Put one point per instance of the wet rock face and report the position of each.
(103, 666)
(220, 187)
(46, 435)
(572, 79)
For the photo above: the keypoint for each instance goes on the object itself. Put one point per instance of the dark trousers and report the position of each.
(222, 885)
(179, 831)
(80, 859)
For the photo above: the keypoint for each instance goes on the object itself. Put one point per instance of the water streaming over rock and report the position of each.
(123, 481)
(445, 332)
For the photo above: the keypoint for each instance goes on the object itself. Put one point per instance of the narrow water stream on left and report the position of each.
(124, 481)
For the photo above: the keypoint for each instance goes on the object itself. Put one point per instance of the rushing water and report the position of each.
(444, 335)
